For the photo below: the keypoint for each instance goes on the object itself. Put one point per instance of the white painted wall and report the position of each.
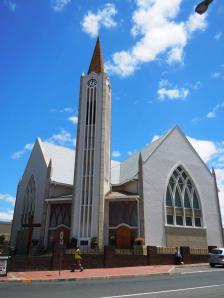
(37, 167)
(175, 150)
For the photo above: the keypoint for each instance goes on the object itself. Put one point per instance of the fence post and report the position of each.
(151, 252)
(105, 256)
(186, 254)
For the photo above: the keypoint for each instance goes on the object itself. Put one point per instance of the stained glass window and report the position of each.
(181, 192)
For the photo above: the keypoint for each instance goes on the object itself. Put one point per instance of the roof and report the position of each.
(63, 161)
(96, 64)
(121, 195)
(128, 169)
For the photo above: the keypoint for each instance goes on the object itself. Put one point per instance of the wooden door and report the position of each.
(123, 237)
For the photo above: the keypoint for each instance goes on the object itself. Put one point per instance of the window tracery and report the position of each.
(182, 201)
(29, 201)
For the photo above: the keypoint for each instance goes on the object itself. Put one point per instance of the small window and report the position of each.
(197, 222)
(168, 198)
(171, 180)
(179, 220)
(181, 183)
(186, 200)
(184, 176)
(195, 201)
(177, 199)
(169, 219)
(175, 174)
(179, 169)
(188, 221)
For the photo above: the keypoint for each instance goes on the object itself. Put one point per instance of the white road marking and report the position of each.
(165, 291)
(202, 271)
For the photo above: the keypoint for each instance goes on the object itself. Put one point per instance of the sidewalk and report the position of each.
(102, 273)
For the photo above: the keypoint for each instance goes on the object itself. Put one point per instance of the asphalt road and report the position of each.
(198, 282)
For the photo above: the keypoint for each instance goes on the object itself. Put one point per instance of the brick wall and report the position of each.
(107, 260)
(28, 263)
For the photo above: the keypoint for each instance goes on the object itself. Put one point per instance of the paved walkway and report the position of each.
(27, 277)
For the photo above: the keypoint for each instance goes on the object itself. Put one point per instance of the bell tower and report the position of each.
(93, 156)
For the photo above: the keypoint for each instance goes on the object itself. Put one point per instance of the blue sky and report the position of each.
(166, 66)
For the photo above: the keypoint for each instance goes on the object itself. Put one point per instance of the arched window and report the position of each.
(182, 201)
(29, 201)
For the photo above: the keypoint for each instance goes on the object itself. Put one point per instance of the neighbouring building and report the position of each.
(164, 193)
(5, 229)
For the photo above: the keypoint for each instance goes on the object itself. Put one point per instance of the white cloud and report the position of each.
(173, 94)
(92, 23)
(213, 154)
(156, 32)
(116, 153)
(73, 119)
(175, 56)
(218, 36)
(216, 75)
(164, 83)
(205, 148)
(7, 198)
(59, 5)
(12, 6)
(20, 153)
(212, 114)
(6, 215)
(62, 138)
(66, 110)
(156, 137)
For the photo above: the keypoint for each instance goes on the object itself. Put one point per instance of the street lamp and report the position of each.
(203, 6)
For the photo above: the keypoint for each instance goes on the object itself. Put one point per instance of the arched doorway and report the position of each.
(123, 237)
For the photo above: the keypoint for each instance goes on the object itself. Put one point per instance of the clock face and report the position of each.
(92, 83)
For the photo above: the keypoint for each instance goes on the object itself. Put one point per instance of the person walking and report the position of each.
(178, 257)
(78, 258)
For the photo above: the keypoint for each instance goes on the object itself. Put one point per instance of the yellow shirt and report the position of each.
(77, 255)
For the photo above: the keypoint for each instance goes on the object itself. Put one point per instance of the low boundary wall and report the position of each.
(107, 258)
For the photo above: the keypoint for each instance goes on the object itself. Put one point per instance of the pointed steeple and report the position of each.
(96, 64)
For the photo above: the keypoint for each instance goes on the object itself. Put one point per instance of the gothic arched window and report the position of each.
(182, 201)
(29, 201)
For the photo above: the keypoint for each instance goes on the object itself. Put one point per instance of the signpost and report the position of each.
(61, 242)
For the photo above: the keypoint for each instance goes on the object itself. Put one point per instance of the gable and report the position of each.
(176, 149)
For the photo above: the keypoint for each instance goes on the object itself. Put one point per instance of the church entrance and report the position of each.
(123, 237)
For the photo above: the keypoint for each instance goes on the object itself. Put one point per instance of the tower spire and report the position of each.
(96, 64)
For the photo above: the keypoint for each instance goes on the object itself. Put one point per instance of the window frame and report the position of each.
(188, 189)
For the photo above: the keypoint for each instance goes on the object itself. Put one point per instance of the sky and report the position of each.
(165, 63)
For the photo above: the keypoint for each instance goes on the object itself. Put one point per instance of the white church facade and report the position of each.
(164, 194)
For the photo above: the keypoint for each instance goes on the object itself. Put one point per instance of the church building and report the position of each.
(164, 194)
